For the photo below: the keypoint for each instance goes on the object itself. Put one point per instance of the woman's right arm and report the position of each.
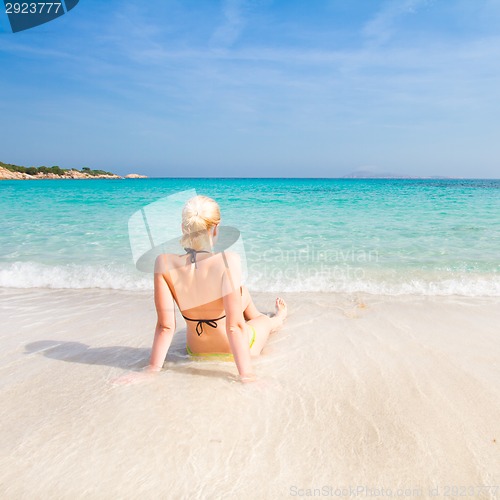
(235, 322)
(235, 329)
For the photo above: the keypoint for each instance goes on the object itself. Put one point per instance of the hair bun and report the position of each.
(198, 216)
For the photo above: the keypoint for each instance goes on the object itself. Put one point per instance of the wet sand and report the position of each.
(357, 391)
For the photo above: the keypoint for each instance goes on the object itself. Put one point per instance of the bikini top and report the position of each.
(210, 322)
(199, 324)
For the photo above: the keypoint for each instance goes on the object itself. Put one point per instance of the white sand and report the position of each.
(402, 393)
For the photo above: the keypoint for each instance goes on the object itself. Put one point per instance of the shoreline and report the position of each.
(359, 389)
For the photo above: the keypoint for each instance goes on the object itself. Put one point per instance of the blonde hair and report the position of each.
(199, 215)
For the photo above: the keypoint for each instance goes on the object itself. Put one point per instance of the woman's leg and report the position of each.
(249, 309)
(264, 325)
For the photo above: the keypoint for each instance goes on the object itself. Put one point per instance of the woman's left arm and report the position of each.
(165, 326)
(164, 332)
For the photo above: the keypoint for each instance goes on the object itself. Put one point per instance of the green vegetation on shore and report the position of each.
(51, 170)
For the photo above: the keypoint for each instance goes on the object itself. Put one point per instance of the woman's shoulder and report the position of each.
(164, 261)
(232, 260)
(231, 256)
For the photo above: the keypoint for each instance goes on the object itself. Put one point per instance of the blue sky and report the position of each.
(284, 88)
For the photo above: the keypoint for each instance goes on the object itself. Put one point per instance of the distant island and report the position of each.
(16, 172)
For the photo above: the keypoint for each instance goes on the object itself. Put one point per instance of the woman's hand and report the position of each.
(248, 379)
(259, 384)
(146, 374)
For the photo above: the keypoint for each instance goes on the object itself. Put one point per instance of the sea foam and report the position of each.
(120, 277)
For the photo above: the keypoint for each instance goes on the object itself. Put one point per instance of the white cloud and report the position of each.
(380, 28)
(229, 31)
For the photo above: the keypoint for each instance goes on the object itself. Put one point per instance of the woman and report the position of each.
(220, 315)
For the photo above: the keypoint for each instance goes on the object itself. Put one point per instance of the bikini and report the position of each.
(210, 322)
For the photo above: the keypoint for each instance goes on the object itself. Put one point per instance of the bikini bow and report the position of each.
(209, 322)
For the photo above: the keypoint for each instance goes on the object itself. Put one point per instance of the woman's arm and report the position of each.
(235, 322)
(165, 326)
(164, 331)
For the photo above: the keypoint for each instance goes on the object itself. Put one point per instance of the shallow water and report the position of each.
(430, 237)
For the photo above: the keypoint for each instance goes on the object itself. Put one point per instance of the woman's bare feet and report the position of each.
(280, 315)
(281, 308)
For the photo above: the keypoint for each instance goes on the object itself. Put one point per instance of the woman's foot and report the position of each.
(280, 315)
(281, 308)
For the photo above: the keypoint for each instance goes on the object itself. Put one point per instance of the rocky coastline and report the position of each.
(7, 174)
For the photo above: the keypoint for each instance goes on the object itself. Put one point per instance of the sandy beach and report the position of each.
(341, 155)
(358, 392)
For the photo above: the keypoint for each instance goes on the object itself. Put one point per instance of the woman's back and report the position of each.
(198, 284)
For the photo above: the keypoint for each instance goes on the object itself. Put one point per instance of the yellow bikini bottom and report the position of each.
(223, 356)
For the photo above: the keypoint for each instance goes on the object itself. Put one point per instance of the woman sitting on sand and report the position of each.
(220, 315)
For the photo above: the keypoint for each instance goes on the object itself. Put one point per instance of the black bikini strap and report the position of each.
(199, 324)
(192, 253)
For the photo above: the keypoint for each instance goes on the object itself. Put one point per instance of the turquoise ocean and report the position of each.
(387, 236)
